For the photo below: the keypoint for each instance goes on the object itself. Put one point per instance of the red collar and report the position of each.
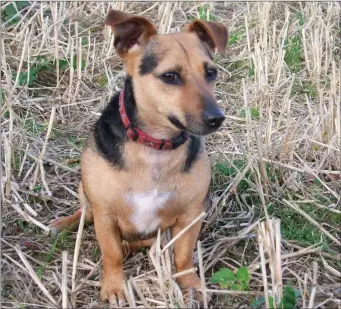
(137, 135)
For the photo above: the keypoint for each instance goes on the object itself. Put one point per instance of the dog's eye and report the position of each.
(211, 74)
(171, 78)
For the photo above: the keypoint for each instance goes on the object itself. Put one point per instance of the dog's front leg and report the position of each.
(183, 252)
(108, 235)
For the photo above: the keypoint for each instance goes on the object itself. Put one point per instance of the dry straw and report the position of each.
(277, 154)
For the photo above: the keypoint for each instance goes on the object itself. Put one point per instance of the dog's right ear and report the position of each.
(129, 30)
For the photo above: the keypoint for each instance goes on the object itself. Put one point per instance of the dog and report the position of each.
(145, 165)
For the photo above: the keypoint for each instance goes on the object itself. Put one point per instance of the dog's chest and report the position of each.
(146, 204)
(145, 207)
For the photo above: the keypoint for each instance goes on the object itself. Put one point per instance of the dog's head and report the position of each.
(173, 74)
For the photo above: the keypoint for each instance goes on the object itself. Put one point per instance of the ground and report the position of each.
(277, 156)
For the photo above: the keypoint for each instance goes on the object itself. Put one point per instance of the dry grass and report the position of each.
(277, 156)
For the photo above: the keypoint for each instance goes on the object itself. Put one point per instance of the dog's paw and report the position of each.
(191, 284)
(58, 225)
(70, 222)
(112, 290)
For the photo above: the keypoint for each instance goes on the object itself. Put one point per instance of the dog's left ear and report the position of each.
(129, 30)
(213, 34)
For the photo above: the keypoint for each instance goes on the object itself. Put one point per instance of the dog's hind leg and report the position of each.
(71, 222)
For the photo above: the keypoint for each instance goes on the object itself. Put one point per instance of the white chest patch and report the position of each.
(145, 207)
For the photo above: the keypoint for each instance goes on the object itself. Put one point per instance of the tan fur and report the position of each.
(104, 188)
(173, 49)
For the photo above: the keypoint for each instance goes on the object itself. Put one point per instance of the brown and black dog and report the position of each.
(145, 165)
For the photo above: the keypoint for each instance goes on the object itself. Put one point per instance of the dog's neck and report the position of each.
(142, 121)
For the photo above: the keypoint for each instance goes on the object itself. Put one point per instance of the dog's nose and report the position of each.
(213, 118)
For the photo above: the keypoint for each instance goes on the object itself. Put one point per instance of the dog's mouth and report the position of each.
(194, 126)
(176, 122)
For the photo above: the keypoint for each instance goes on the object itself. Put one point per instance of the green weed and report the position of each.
(323, 199)
(204, 14)
(102, 80)
(85, 40)
(43, 63)
(252, 71)
(144, 250)
(2, 95)
(255, 115)
(310, 89)
(95, 253)
(17, 159)
(289, 298)
(22, 225)
(235, 37)
(226, 170)
(243, 186)
(307, 88)
(75, 141)
(40, 270)
(295, 227)
(33, 127)
(288, 301)
(238, 65)
(6, 114)
(223, 172)
(304, 233)
(65, 241)
(271, 172)
(227, 279)
(293, 53)
(66, 63)
(27, 77)
(294, 49)
(62, 241)
(37, 189)
(300, 18)
(335, 218)
(10, 11)
(57, 133)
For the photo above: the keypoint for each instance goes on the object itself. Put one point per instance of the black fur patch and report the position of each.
(194, 148)
(148, 63)
(208, 200)
(109, 131)
(176, 122)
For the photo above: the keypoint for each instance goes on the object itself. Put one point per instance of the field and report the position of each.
(272, 236)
